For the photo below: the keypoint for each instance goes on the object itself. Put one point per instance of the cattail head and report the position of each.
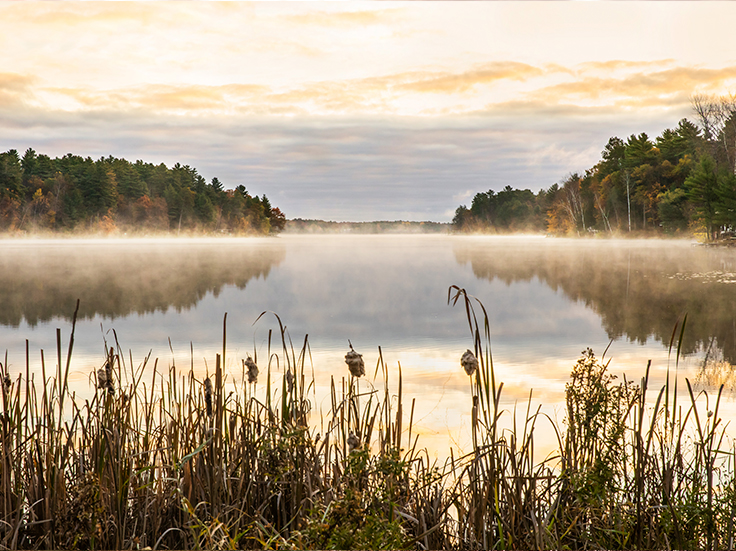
(208, 396)
(102, 378)
(108, 369)
(6, 382)
(353, 442)
(289, 380)
(231, 424)
(355, 362)
(252, 370)
(469, 362)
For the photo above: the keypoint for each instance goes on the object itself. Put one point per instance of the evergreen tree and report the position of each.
(701, 189)
(726, 192)
(28, 164)
(672, 213)
(11, 174)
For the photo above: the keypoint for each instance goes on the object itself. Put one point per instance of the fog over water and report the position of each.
(547, 300)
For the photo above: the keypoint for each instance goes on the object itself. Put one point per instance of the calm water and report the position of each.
(547, 300)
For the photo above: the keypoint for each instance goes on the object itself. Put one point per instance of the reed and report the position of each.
(161, 459)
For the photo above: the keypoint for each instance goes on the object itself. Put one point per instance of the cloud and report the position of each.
(342, 165)
(432, 93)
(404, 145)
(371, 95)
(360, 169)
(81, 14)
(621, 64)
(341, 18)
(14, 89)
(465, 81)
(639, 89)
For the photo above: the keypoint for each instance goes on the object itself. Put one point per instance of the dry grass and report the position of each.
(174, 462)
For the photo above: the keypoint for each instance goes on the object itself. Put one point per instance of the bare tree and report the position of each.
(602, 209)
(706, 110)
(728, 132)
(573, 201)
(716, 116)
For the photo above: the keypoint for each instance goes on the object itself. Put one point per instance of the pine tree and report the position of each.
(701, 188)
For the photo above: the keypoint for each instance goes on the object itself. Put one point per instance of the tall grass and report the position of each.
(160, 458)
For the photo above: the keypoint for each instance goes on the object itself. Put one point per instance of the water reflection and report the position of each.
(40, 280)
(547, 300)
(638, 288)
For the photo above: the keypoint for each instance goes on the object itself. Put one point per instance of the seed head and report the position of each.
(353, 442)
(469, 362)
(6, 382)
(208, 396)
(355, 362)
(102, 378)
(252, 370)
(289, 380)
(108, 370)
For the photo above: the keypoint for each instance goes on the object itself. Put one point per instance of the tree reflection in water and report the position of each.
(114, 278)
(639, 288)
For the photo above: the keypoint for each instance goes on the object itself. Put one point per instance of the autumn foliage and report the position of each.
(110, 195)
(682, 181)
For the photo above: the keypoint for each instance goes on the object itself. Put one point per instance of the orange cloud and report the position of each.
(340, 19)
(447, 93)
(643, 89)
(616, 64)
(379, 93)
(14, 88)
(462, 82)
(15, 82)
(68, 14)
(165, 97)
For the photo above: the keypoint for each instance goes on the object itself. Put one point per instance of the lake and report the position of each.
(547, 300)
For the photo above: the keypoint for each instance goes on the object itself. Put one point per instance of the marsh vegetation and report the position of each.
(173, 460)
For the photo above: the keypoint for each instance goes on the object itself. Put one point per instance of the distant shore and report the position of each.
(299, 225)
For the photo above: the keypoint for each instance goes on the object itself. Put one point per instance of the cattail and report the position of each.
(208, 396)
(232, 423)
(355, 362)
(6, 382)
(102, 378)
(289, 380)
(469, 362)
(108, 371)
(252, 370)
(353, 442)
(104, 374)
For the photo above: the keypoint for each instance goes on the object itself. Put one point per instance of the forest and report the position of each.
(110, 195)
(301, 225)
(682, 182)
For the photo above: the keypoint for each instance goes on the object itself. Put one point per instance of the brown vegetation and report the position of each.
(183, 464)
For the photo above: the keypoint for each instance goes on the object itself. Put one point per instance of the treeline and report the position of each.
(682, 181)
(300, 225)
(38, 193)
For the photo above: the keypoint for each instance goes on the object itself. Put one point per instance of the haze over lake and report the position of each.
(547, 300)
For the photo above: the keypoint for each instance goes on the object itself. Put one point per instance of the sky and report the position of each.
(357, 110)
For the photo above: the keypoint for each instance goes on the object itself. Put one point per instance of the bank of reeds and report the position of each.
(162, 459)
